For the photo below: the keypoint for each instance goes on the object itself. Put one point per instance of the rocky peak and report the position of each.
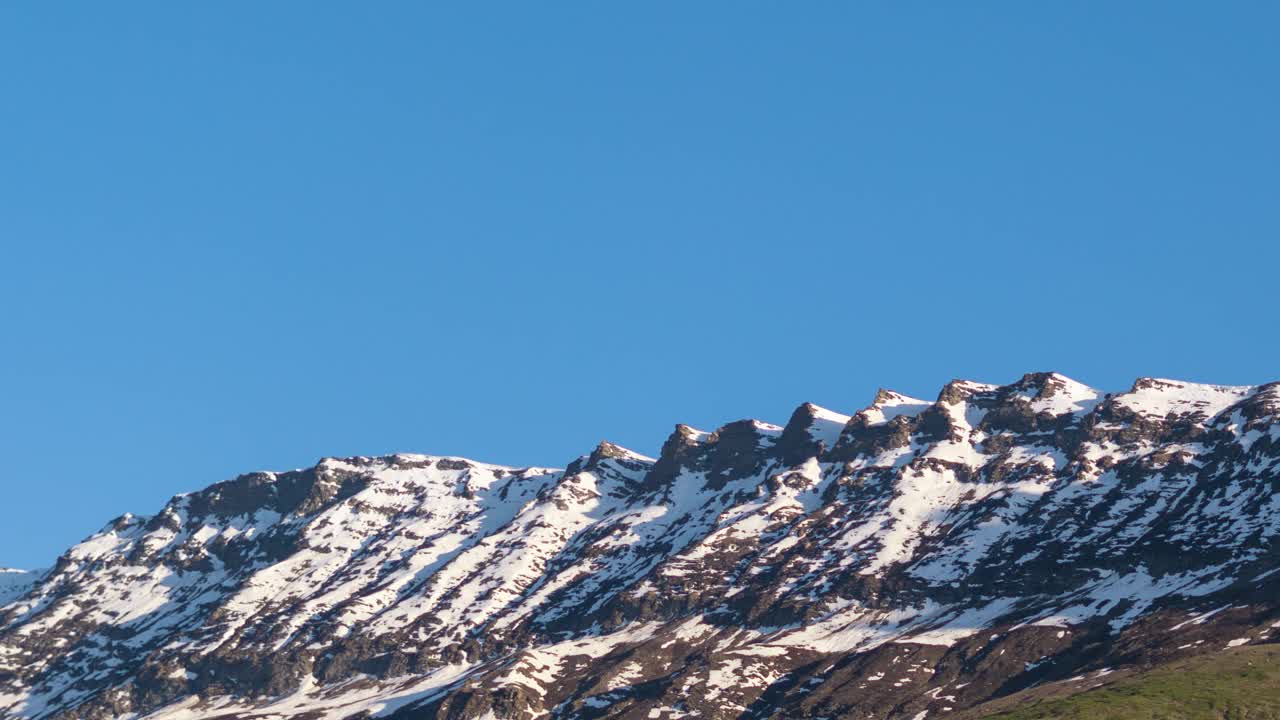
(1263, 405)
(810, 431)
(888, 405)
(679, 450)
(606, 457)
(885, 424)
(1045, 401)
(1158, 398)
(958, 391)
(1053, 392)
(738, 450)
(606, 449)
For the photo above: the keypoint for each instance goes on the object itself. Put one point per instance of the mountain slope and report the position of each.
(912, 559)
(15, 583)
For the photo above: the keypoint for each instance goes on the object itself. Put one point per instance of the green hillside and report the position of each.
(1240, 684)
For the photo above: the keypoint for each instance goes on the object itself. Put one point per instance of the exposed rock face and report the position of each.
(913, 558)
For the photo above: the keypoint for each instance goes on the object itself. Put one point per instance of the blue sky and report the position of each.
(246, 236)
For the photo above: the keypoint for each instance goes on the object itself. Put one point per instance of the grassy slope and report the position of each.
(1238, 684)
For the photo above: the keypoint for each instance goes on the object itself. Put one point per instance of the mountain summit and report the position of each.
(913, 559)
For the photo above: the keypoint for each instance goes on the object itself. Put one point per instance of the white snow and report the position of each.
(1065, 396)
(891, 405)
(320, 702)
(827, 425)
(1159, 398)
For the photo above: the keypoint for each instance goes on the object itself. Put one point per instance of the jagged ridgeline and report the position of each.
(916, 559)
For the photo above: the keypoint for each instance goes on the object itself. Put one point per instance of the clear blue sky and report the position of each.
(245, 236)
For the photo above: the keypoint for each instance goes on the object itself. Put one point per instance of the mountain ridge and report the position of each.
(755, 570)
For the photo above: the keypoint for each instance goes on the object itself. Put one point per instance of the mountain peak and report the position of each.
(961, 390)
(889, 404)
(606, 450)
(1056, 393)
(810, 429)
(1158, 397)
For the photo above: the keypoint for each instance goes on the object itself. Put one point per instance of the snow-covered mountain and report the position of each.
(15, 583)
(912, 560)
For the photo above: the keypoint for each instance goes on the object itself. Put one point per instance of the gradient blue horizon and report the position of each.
(240, 237)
